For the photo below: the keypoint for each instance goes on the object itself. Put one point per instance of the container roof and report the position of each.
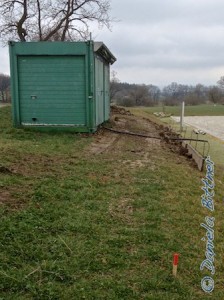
(101, 49)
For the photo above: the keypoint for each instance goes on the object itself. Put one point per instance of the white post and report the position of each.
(182, 116)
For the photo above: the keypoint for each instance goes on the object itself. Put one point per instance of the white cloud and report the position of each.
(4, 60)
(159, 41)
(164, 41)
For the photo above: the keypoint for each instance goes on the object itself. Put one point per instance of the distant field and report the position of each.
(195, 110)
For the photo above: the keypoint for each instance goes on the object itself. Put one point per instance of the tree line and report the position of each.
(126, 94)
(4, 88)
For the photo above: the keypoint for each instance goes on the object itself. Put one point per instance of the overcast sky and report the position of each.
(163, 41)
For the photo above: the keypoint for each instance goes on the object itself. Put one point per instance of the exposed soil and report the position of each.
(102, 142)
(123, 120)
(35, 165)
(11, 199)
(4, 170)
(5, 197)
(154, 138)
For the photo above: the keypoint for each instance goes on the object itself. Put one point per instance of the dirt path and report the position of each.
(134, 151)
(109, 141)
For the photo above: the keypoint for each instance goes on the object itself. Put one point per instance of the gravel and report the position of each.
(211, 125)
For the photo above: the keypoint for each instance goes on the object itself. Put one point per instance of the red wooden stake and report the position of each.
(175, 263)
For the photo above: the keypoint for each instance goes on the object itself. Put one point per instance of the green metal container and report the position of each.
(60, 84)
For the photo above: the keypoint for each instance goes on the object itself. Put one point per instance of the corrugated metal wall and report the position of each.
(99, 90)
(52, 90)
(102, 81)
(107, 92)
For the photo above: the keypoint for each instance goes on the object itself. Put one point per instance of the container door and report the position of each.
(107, 92)
(99, 81)
(52, 90)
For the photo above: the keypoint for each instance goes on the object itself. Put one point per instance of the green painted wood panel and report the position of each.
(52, 90)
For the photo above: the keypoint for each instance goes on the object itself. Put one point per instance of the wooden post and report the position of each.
(182, 116)
(175, 263)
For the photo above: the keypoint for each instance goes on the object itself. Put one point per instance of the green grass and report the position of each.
(77, 225)
(190, 110)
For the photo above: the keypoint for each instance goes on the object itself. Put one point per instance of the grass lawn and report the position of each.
(76, 224)
(190, 110)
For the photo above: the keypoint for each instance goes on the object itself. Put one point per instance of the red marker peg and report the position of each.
(175, 263)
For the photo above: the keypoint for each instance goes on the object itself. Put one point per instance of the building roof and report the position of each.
(104, 52)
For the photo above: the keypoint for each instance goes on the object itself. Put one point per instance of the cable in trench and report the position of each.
(156, 137)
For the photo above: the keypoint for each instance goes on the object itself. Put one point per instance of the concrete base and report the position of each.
(197, 157)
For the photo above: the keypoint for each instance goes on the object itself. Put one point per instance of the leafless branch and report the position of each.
(51, 19)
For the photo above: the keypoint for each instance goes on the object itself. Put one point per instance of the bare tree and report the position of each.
(114, 85)
(215, 94)
(140, 94)
(48, 20)
(171, 94)
(220, 82)
(154, 93)
(4, 87)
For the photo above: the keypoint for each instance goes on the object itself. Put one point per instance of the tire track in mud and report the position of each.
(103, 143)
